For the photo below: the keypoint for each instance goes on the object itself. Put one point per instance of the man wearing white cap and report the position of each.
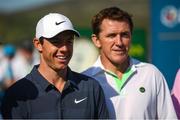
(51, 90)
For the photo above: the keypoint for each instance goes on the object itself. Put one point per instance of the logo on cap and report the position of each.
(58, 23)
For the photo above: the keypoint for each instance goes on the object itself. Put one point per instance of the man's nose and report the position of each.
(118, 40)
(63, 47)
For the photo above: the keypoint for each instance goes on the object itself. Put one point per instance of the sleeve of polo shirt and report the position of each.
(8, 104)
(165, 108)
(102, 111)
(11, 108)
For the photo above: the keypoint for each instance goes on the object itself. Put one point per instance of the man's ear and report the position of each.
(96, 41)
(37, 44)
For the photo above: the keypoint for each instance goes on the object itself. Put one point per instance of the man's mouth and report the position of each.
(61, 57)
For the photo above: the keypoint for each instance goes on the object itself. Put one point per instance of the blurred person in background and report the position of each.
(6, 67)
(175, 93)
(52, 90)
(6, 71)
(133, 89)
(1, 51)
(25, 59)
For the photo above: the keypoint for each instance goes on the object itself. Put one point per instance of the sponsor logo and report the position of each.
(78, 101)
(169, 16)
(58, 23)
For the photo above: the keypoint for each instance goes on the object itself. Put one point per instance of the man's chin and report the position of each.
(121, 60)
(62, 67)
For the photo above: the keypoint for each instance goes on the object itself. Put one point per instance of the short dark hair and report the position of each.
(112, 13)
(41, 40)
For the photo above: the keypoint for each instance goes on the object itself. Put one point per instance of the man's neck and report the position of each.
(56, 78)
(118, 69)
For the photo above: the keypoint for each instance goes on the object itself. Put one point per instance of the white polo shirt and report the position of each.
(142, 94)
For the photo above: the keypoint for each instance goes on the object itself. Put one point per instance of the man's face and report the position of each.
(114, 42)
(57, 51)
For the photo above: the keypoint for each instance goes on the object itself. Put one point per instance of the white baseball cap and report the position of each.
(52, 24)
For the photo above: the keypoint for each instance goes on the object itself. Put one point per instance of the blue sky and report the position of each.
(7, 6)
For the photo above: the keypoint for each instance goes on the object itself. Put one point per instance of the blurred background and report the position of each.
(156, 37)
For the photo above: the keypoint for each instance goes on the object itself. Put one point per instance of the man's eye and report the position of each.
(125, 34)
(111, 35)
(55, 42)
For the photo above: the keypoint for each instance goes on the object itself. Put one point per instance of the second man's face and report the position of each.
(114, 41)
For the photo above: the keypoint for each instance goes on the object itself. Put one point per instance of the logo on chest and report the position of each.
(77, 101)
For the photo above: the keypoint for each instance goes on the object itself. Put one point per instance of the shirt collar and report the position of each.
(98, 67)
(38, 78)
(44, 84)
(71, 78)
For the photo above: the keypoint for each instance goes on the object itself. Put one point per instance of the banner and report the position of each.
(165, 37)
